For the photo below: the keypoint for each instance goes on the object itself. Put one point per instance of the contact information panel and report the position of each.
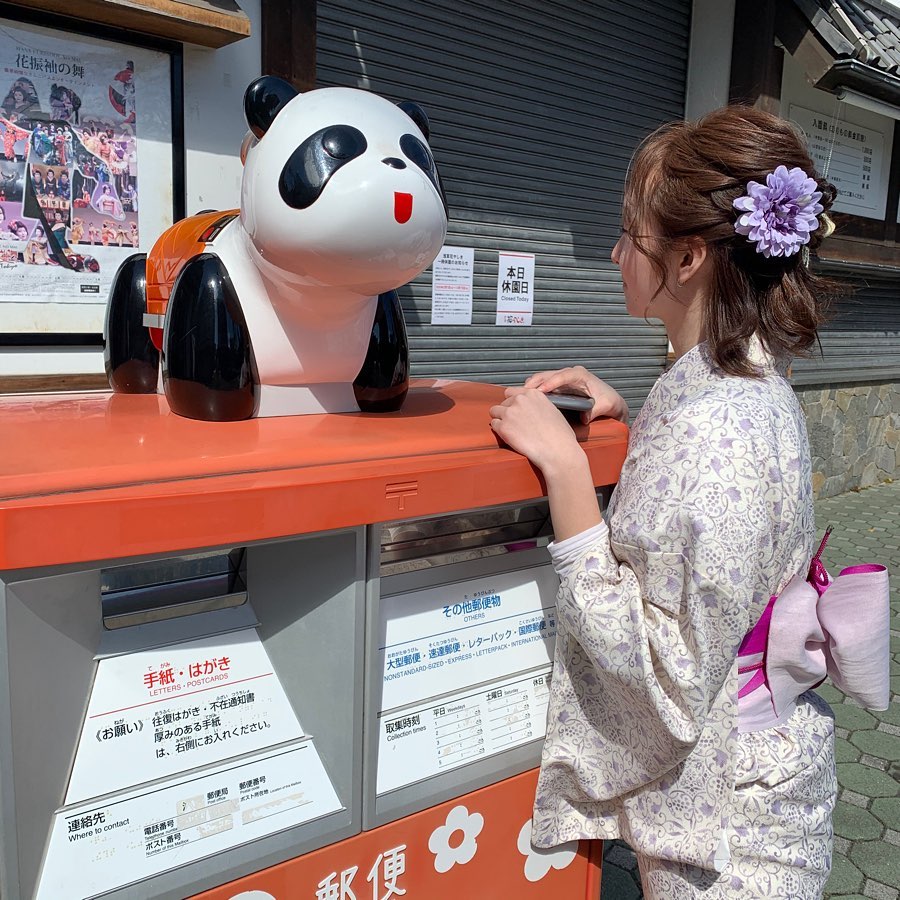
(466, 671)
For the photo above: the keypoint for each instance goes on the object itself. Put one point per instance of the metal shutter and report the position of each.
(535, 110)
(862, 340)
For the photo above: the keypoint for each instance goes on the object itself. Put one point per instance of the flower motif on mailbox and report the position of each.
(445, 842)
(539, 862)
(253, 895)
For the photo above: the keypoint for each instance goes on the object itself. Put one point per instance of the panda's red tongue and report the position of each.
(402, 207)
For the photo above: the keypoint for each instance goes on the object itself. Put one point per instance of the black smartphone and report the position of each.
(571, 402)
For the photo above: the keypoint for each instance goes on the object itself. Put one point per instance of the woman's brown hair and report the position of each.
(684, 180)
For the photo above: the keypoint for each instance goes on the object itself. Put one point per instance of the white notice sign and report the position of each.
(98, 847)
(451, 286)
(159, 712)
(462, 728)
(515, 289)
(464, 668)
(857, 158)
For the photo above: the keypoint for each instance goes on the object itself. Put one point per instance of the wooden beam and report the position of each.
(893, 189)
(289, 41)
(33, 384)
(844, 249)
(802, 42)
(756, 63)
(209, 25)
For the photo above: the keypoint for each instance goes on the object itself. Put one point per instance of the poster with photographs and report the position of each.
(85, 172)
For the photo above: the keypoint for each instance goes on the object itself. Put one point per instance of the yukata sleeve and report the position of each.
(654, 621)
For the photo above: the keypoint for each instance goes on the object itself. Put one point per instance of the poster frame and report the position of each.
(175, 51)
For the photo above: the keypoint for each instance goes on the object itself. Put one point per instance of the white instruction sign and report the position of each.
(462, 728)
(98, 847)
(446, 652)
(158, 712)
(852, 156)
(453, 636)
(515, 289)
(451, 286)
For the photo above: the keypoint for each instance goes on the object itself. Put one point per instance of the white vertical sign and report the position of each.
(853, 156)
(451, 286)
(515, 289)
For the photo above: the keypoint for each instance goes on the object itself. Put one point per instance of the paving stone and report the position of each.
(829, 693)
(618, 884)
(855, 823)
(845, 878)
(872, 859)
(621, 856)
(846, 897)
(891, 715)
(880, 891)
(852, 717)
(874, 762)
(852, 797)
(877, 743)
(844, 751)
(866, 781)
(892, 837)
(887, 810)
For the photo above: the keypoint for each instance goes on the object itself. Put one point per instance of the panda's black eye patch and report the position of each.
(344, 142)
(309, 167)
(416, 152)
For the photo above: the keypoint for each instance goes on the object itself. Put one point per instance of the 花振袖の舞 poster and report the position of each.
(81, 171)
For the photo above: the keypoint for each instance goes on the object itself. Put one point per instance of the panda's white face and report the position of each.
(342, 191)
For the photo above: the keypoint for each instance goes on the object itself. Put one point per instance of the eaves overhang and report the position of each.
(845, 46)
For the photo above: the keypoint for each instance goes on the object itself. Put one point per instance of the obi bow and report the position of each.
(820, 627)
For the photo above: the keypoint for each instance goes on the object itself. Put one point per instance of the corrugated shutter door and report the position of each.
(862, 340)
(535, 110)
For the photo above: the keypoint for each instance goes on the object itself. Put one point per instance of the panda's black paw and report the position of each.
(383, 380)
(130, 358)
(208, 365)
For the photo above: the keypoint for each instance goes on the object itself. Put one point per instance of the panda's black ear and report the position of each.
(264, 99)
(417, 114)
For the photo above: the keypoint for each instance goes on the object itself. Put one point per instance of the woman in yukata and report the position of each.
(107, 204)
(713, 514)
(36, 251)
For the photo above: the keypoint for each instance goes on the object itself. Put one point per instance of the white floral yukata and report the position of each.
(712, 515)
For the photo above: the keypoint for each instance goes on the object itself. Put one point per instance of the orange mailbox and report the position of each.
(301, 657)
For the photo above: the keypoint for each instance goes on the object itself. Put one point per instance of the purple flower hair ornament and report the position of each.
(779, 216)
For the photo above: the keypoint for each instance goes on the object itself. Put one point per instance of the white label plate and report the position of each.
(155, 713)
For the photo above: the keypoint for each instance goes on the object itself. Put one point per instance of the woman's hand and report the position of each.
(530, 424)
(577, 380)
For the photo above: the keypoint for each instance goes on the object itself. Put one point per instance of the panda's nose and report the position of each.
(394, 163)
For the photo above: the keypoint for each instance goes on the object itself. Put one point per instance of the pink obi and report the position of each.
(817, 628)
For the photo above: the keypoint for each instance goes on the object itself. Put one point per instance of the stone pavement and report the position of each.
(867, 817)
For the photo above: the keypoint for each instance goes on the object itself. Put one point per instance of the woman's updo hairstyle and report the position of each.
(683, 181)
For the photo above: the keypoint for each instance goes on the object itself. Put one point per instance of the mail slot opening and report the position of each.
(425, 543)
(170, 588)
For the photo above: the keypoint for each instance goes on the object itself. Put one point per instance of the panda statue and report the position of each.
(288, 305)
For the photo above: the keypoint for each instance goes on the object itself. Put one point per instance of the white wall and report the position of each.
(214, 126)
(214, 82)
(709, 61)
